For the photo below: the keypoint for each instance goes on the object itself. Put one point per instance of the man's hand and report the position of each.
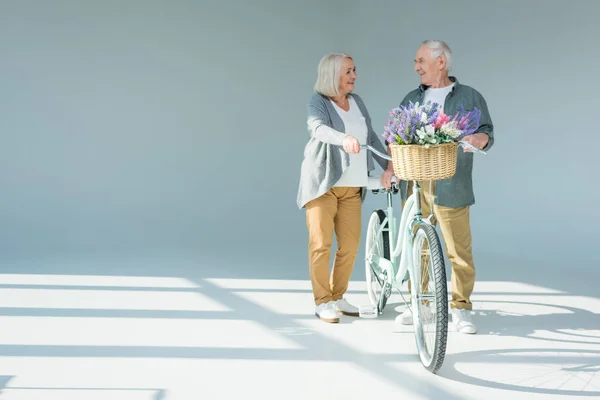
(351, 145)
(386, 178)
(479, 140)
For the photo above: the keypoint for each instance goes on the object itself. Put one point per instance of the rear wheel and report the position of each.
(430, 298)
(377, 246)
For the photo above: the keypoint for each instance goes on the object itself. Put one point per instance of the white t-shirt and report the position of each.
(356, 175)
(437, 95)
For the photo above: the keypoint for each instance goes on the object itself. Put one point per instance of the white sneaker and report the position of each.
(327, 312)
(461, 319)
(343, 307)
(406, 318)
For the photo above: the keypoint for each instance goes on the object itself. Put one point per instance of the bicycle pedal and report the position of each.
(367, 312)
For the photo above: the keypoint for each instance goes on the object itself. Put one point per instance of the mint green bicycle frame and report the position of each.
(397, 273)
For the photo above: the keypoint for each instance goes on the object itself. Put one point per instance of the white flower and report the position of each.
(423, 117)
(450, 129)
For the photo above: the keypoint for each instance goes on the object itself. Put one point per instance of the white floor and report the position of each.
(201, 332)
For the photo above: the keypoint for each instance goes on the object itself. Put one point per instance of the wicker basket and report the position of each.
(419, 163)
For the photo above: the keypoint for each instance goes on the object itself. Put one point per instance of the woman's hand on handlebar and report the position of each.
(351, 145)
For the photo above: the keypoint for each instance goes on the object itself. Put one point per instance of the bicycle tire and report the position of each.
(376, 220)
(432, 357)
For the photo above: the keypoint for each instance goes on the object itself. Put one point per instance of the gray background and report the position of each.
(176, 129)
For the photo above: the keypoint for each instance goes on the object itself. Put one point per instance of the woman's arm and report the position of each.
(318, 127)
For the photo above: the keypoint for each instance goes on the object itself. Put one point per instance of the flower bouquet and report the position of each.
(424, 140)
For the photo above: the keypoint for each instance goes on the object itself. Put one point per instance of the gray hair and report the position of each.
(438, 48)
(328, 74)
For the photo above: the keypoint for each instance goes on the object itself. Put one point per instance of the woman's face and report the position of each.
(347, 76)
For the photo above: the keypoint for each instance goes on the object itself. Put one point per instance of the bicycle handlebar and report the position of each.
(380, 154)
(389, 158)
(471, 147)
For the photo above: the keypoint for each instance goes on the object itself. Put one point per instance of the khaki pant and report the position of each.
(456, 231)
(338, 210)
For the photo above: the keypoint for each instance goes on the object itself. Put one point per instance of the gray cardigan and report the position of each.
(324, 157)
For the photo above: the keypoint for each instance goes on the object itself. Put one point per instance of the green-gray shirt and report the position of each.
(457, 191)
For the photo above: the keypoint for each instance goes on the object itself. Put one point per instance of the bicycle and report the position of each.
(389, 265)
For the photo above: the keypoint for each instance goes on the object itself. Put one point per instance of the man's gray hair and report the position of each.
(438, 48)
(328, 74)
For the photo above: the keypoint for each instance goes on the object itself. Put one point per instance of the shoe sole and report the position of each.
(350, 314)
(330, 320)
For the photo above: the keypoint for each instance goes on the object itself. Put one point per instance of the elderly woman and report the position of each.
(333, 180)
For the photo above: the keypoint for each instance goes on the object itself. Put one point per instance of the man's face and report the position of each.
(429, 69)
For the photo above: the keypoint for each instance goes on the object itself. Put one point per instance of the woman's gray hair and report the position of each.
(438, 48)
(328, 74)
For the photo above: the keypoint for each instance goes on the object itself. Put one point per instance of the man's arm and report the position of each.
(485, 123)
(483, 138)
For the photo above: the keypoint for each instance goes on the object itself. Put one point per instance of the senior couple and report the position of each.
(334, 175)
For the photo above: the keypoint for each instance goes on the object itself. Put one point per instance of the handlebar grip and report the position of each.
(471, 147)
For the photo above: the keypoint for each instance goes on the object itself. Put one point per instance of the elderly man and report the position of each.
(451, 198)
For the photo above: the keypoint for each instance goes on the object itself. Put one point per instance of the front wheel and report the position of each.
(430, 298)
(377, 246)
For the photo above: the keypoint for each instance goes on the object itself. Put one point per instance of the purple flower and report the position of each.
(467, 122)
(405, 120)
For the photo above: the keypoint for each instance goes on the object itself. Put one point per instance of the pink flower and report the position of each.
(441, 120)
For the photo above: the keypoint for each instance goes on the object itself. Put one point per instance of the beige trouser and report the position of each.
(337, 210)
(456, 231)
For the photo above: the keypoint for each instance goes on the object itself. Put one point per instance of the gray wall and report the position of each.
(137, 126)
(146, 127)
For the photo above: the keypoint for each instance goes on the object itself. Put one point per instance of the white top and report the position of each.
(356, 175)
(437, 95)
